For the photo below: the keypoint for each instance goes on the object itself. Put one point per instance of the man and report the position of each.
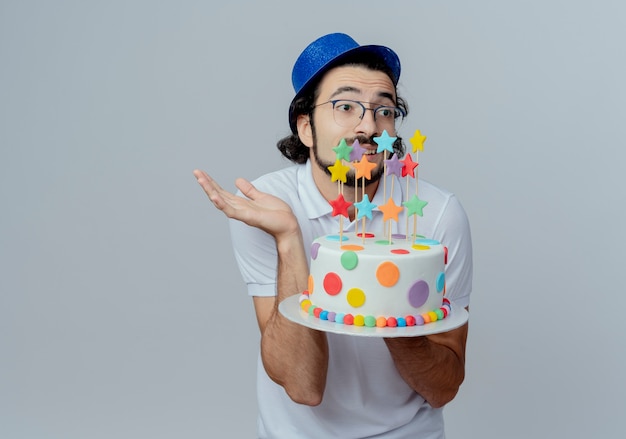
(313, 384)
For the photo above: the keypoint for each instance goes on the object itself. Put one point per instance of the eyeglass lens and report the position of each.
(349, 113)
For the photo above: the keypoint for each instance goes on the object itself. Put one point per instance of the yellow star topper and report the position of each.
(338, 171)
(417, 141)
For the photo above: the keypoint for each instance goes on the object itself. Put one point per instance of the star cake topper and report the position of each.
(365, 207)
(363, 168)
(418, 141)
(338, 171)
(394, 166)
(343, 151)
(415, 206)
(409, 166)
(340, 206)
(390, 210)
(384, 142)
(357, 151)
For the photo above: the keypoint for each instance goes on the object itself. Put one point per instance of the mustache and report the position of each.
(363, 140)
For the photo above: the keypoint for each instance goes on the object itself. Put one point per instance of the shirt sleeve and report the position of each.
(257, 258)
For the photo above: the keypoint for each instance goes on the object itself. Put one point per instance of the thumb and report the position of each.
(246, 188)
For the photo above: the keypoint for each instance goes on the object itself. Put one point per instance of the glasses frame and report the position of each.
(394, 108)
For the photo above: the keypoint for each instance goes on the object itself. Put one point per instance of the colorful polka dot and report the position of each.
(418, 293)
(349, 260)
(332, 284)
(352, 247)
(314, 250)
(367, 235)
(384, 242)
(311, 284)
(387, 274)
(441, 282)
(355, 297)
(426, 241)
(336, 238)
(400, 251)
(420, 247)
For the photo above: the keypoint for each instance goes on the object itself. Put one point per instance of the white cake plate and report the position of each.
(290, 308)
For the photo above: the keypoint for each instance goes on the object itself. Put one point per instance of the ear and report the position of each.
(305, 131)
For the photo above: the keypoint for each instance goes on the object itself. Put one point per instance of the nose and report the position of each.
(367, 124)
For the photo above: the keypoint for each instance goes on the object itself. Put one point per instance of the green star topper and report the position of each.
(415, 206)
(343, 150)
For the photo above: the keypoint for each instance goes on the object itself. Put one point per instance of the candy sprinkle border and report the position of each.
(371, 321)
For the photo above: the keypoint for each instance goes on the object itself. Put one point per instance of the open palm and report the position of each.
(256, 209)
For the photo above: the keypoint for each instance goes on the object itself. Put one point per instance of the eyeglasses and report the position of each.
(348, 113)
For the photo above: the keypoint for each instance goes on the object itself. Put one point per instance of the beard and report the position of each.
(377, 173)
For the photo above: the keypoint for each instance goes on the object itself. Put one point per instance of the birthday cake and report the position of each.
(376, 279)
(372, 282)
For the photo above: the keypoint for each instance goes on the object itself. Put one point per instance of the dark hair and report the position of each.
(292, 147)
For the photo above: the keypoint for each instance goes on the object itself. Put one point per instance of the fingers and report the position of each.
(211, 188)
(230, 204)
(254, 208)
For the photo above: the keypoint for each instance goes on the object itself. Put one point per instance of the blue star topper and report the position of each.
(365, 207)
(385, 142)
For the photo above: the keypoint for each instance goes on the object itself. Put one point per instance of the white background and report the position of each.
(122, 313)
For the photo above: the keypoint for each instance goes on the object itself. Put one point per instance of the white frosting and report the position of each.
(417, 289)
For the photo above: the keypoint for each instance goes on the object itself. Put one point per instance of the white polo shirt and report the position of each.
(365, 397)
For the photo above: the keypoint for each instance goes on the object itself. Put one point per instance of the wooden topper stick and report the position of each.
(416, 173)
(363, 219)
(407, 217)
(389, 228)
(356, 210)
